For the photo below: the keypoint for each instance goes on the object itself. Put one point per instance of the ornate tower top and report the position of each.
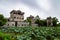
(17, 12)
(16, 15)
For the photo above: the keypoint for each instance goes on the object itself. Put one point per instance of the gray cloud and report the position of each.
(8, 5)
(30, 2)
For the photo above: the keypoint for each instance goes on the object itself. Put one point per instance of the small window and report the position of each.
(18, 13)
(12, 24)
(8, 25)
(17, 17)
(18, 25)
(22, 24)
(22, 18)
(14, 17)
(8, 20)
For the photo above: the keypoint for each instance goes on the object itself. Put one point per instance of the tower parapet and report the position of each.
(16, 15)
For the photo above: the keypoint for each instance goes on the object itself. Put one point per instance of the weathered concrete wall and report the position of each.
(23, 24)
(9, 24)
(16, 17)
(34, 24)
(19, 24)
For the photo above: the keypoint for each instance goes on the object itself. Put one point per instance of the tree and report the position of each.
(2, 20)
(41, 22)
(44, 22)
(55, 20)
(37, 22)
(58, 24)
(29, 20)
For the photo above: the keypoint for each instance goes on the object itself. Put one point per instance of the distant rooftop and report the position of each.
(17, 12)
(31, 17)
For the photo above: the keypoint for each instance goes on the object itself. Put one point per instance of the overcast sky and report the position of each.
(43, 8)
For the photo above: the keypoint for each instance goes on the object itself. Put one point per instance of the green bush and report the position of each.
(4, 36)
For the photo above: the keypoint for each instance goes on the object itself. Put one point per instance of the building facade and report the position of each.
(16, 19)
(33, 19)
(49, 21)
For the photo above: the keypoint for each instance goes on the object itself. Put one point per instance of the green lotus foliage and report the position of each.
(30, 33)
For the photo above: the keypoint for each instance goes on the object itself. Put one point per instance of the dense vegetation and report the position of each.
(43, 22)
(3, 20)
(30, 33)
